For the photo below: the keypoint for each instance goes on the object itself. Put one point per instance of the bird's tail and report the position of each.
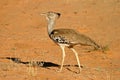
(101, 48)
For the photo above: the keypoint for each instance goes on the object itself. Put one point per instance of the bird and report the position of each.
(67, 37)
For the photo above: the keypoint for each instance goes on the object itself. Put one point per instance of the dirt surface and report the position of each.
(24, 42)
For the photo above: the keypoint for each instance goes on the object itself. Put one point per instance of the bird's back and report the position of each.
(71, 37)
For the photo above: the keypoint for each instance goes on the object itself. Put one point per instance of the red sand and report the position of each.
(23, 35)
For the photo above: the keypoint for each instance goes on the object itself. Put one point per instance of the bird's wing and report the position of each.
(70, 36)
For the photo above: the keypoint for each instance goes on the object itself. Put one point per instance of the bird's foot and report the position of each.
(79, 71)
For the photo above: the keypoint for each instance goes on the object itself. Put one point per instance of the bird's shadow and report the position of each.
(33, 63)
(42, 64)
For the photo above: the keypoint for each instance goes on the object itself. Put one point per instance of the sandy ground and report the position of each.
(24, 42)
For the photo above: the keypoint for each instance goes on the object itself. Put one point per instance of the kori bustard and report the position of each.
(66, 37)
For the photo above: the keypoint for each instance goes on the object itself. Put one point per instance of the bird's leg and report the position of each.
(78, 61)
(63, 56)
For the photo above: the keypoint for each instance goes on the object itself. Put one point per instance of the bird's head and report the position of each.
(51, 15)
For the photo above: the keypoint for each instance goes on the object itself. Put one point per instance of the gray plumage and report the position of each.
(72, 38)
(67, 37)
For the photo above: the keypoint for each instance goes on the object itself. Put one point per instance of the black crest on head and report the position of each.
(58, 14)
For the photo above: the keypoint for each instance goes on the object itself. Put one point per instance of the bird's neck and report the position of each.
(51, 24)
